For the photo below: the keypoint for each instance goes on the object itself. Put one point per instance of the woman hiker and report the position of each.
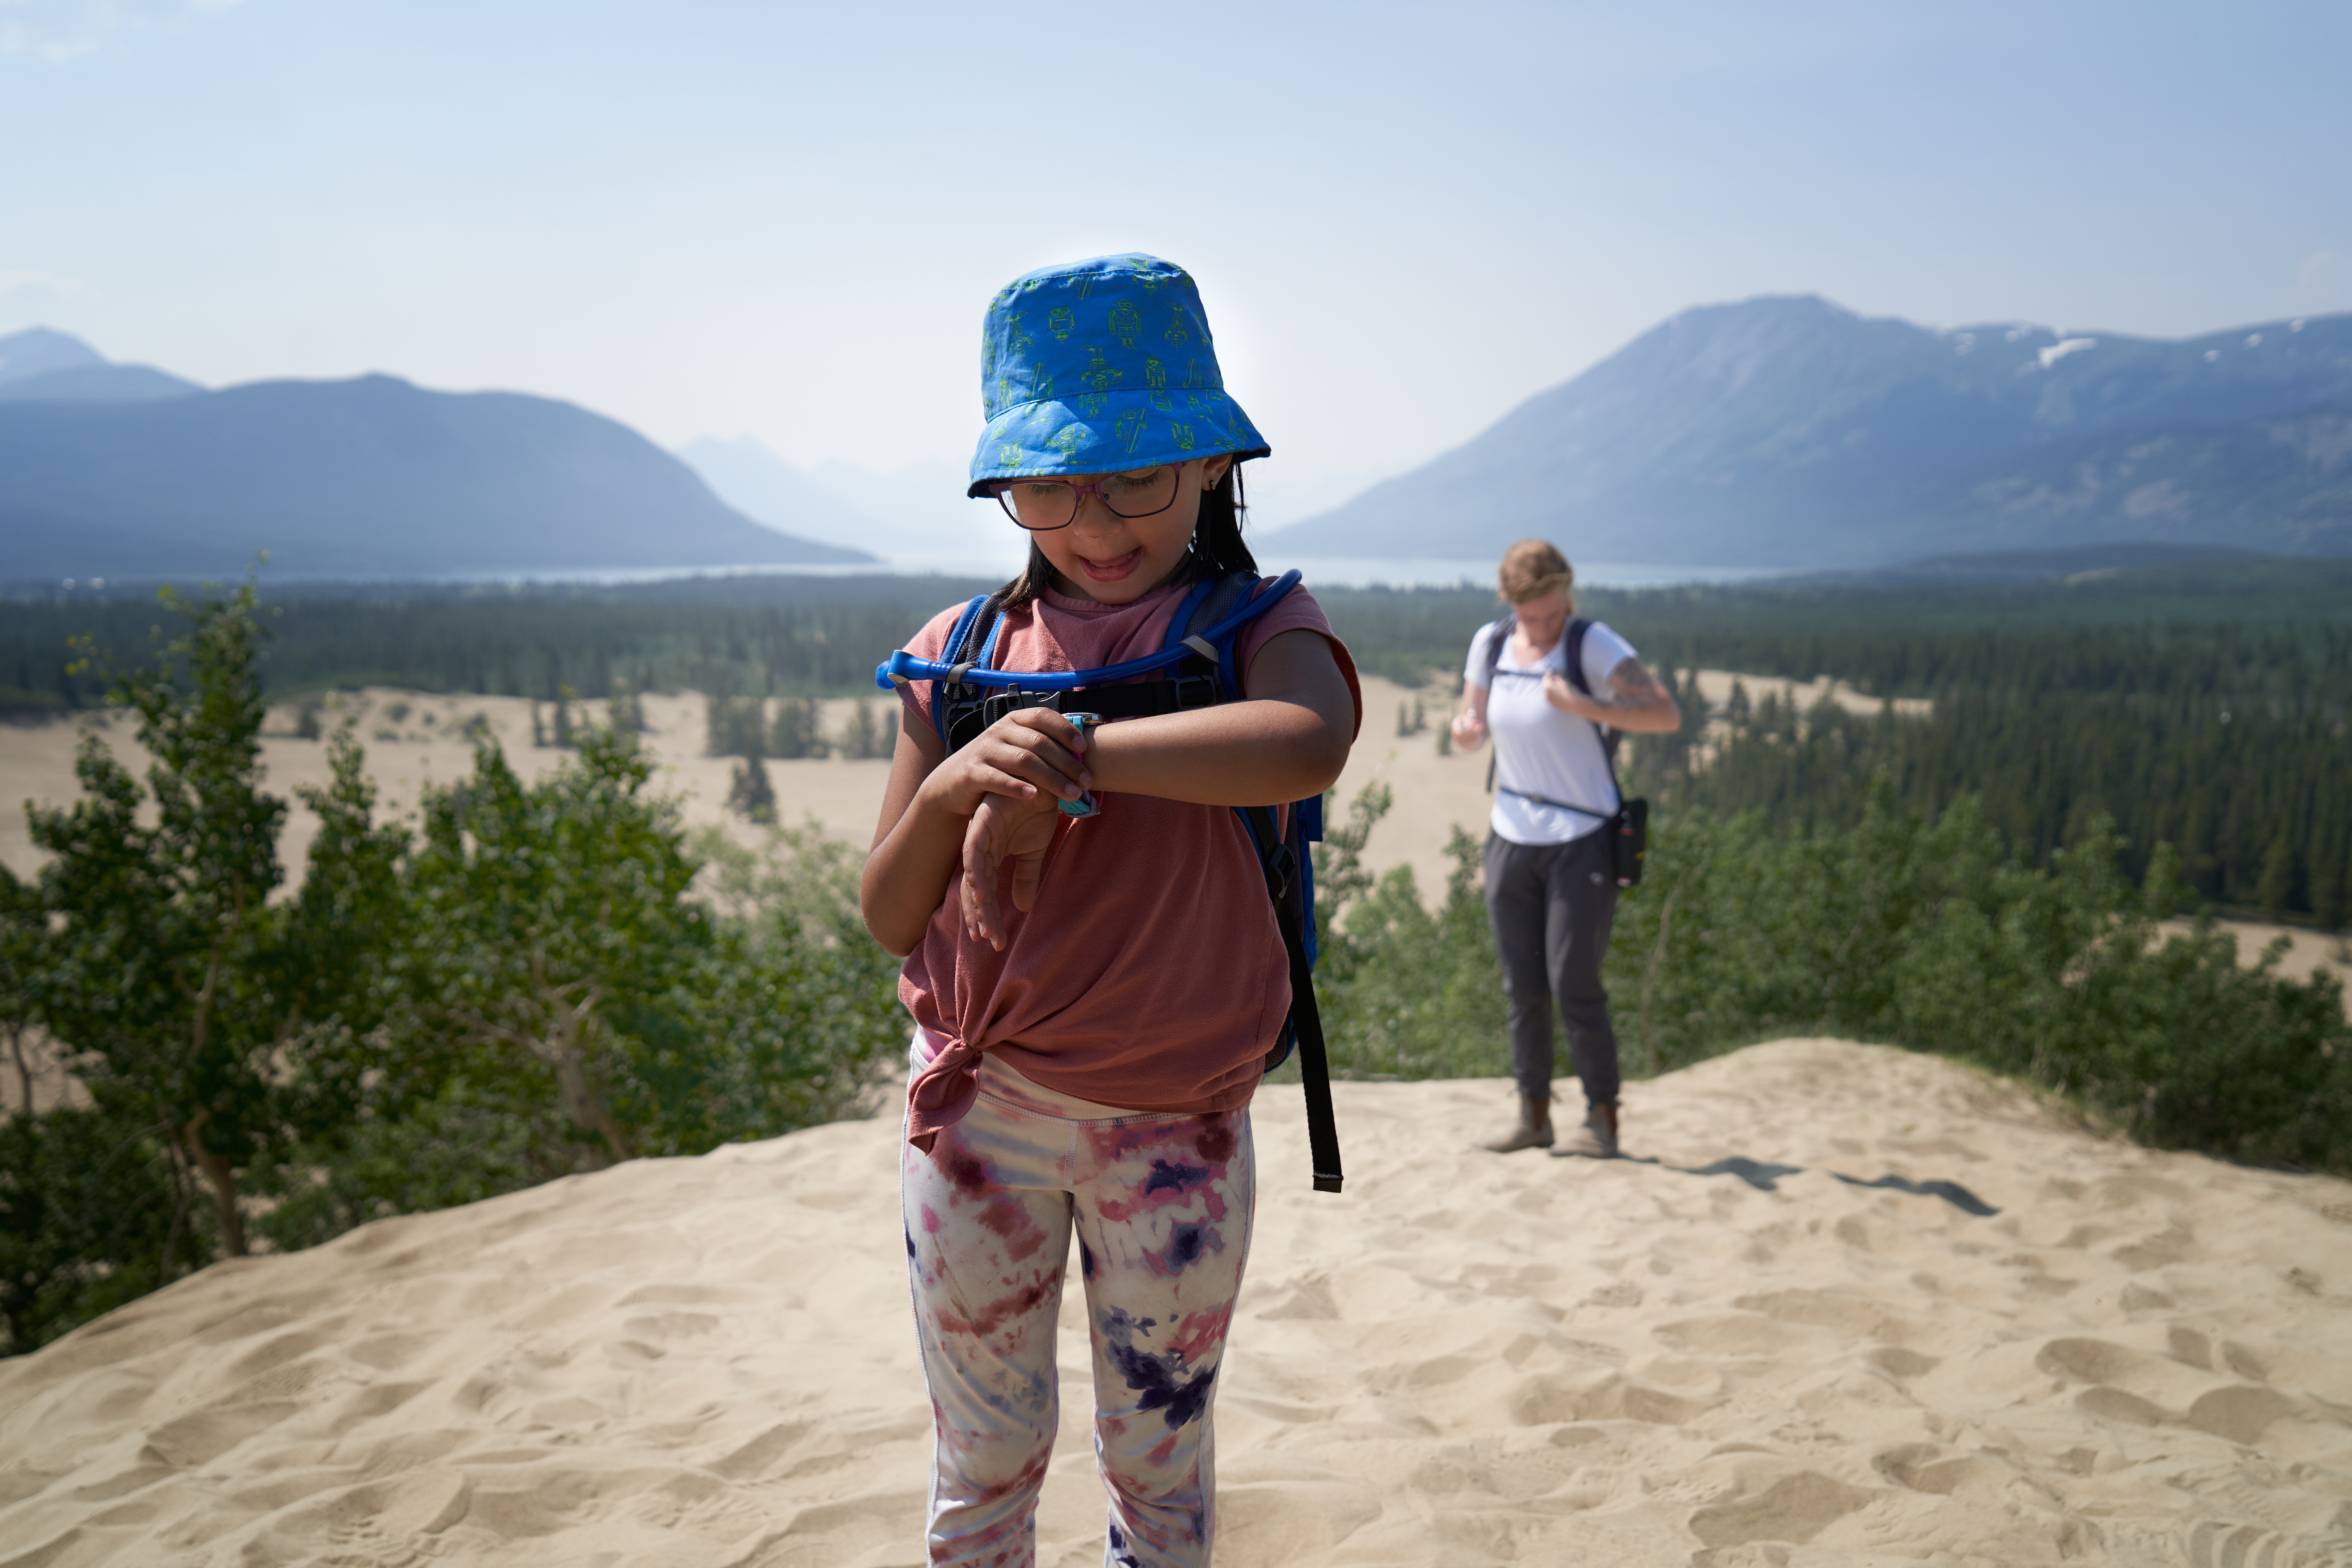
(1552, 888)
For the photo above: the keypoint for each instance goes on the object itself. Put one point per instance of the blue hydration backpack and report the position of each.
(1196, 669)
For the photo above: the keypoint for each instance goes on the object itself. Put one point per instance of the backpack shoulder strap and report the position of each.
(1208, 605)
(1572, 654)
(1289, 884)
(971, 641)
(1282, 847)
(1497, 635)
(1502, 631)
(1211, 602)
(960, 633)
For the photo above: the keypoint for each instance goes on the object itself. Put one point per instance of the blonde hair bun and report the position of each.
(1531, 569)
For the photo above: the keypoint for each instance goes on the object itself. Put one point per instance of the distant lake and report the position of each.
(1417, 571)
(1334, 571)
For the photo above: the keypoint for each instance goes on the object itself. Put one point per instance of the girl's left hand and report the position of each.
(1004, 827)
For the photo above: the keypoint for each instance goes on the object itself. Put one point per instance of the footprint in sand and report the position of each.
(374, 1522)
(1793, 1508)
(2211, 1543)
(1544, 1402)
(2146, 1390)
(2242, 1413)
(1731, 1334)
(1929, 1468)
(1822, 1309)
(203, 1435)
(1309, 1300)
(1904, 1363)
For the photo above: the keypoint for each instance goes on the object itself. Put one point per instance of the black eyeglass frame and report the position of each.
(1003, 489)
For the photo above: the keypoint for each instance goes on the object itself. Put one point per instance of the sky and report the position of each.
(784, 221)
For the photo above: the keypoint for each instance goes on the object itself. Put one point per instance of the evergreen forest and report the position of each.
(2203, 705)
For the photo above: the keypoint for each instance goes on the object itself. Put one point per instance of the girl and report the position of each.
(1094, 997)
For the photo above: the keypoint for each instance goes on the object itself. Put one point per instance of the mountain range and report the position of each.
(1788, 431)
(126, 471)
(1784, 431)
(756, 482)
(38, 365)
(917, 516)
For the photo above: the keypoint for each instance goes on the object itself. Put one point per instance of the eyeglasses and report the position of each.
(1042, 505)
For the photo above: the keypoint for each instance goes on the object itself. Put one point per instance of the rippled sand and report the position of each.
(1846, 1305)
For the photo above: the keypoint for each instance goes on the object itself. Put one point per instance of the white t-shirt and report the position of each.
(1542, 749)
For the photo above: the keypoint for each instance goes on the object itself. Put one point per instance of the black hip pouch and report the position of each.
(1629, 840)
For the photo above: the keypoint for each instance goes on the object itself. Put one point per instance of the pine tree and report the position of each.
(2277, 884)
(799, 729)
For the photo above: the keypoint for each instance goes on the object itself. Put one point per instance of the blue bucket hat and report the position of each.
(1099, 366)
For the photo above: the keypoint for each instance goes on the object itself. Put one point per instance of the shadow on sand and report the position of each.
(1765, 1178)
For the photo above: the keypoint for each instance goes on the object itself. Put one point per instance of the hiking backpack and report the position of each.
(1198, 667)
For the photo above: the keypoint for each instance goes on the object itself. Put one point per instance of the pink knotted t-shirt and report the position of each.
(1152, 974)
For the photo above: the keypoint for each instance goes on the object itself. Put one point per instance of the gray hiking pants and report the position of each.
(1553, 905)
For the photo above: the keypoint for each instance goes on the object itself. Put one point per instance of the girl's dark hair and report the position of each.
(1217, 547)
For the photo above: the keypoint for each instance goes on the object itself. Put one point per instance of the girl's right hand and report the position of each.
(1469, 730)
(1012, 774)
(1019, 767)
(1024, 755)
(1001, 832)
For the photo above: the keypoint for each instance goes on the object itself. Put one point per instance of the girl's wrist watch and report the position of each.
(1088, 802)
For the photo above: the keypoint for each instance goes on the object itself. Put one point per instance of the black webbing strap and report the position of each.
(1281, 863)
(1562, 804)
(1127, 700)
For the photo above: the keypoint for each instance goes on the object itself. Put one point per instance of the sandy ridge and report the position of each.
(2141, 1357)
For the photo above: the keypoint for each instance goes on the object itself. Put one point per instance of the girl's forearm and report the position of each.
(1257, 753)
(907, 874)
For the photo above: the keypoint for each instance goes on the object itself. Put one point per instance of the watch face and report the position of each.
(1088, 804)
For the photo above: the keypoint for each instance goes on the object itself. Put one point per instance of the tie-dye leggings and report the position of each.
(1162, 1206)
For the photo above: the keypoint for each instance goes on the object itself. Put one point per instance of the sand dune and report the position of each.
(841, 797)
(428, 743)
(2025, 1344)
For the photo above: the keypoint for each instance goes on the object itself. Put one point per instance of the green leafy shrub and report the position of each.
(94, 1212)
(1930, 933)
(561, 1003)
(534, 986)
(1405, 993)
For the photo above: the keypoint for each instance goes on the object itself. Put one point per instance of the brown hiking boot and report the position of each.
(1533, 1130)
(1596, 1140)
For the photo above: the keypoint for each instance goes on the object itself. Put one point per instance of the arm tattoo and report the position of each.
(1635, 689)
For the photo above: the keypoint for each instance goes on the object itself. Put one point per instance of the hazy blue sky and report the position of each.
(784, 221)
